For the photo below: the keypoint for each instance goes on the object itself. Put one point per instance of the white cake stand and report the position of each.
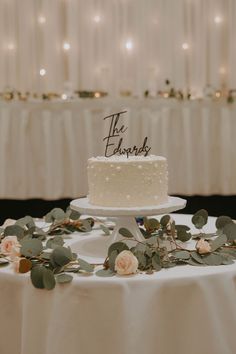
(125, 217)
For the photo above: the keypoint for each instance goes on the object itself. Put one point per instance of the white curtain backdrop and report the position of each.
(117, 45)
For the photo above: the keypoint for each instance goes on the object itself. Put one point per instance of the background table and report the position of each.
(180, 310)
(44, 147)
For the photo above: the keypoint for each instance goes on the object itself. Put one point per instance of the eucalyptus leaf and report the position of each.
(230, 231)
(31, 248)
(85, 225)
(169, 264)
(105, 229)
(141, 247)
(221, 221)
(196, 257)
(182, 227)
(40, 233)
(87, 267)
(64, 278)
(26, 221)
(152, 241)
(55, 242)
(61, 256)
(183, 235)
(112, 259)
(125, 232)
(36, 276)
(151, 224)
(105, 273)
(218, 242)
(73, 214)
(229, 251)
(156, 262)
(227, 259)
(192, 262)
(165, 220)
(213, 259)
(14, 230)
(142, 260)
(148, 251)
(119, 246)
(181, 254)
(200, 218)
(204, 235)
(48, 279)
(55, 214)
(46, 255)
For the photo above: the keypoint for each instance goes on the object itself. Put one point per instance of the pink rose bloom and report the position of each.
(203, 246)
(10, 246)
(126, 263)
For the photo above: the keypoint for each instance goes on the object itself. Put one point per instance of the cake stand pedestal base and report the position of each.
(125, 217)
(129, 223)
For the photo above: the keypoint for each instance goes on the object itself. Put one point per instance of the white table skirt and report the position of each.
(44, 147)
(180, 310)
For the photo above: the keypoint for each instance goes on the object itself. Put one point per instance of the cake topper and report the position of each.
(114, 140)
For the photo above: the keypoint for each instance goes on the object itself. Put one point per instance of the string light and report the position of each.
(64, 96)
(66, 46)
(42, 72)
(129, 45)
(97, 18)
(185, 46)
(217, 19)
(41, 19)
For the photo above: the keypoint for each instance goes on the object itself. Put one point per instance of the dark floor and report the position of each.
(216, 205)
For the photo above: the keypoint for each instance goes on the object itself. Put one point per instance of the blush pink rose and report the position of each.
(126, 263)
(203, 246)
(10, 246)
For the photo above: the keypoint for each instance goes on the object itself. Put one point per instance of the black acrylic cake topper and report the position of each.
(114, 140)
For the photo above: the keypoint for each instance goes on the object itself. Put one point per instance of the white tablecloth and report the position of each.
(180, 310)
(44, 147)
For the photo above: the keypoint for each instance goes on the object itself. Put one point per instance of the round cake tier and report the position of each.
(119, 181)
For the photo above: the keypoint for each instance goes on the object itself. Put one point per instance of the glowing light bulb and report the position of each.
(222, 70)
(97, 18)
(66, 46)
(185, 46)
(41, 19)
(10, 46)
(42, 72)
(129, 45)
(64, 96)
(217, 19)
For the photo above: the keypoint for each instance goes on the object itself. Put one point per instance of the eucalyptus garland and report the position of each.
(43, 253)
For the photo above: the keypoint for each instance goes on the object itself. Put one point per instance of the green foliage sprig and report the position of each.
(43, 252)
(164, 244)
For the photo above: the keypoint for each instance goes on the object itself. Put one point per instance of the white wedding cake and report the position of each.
(136, 181)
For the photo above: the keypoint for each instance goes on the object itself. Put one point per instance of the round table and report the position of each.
(183, 310)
